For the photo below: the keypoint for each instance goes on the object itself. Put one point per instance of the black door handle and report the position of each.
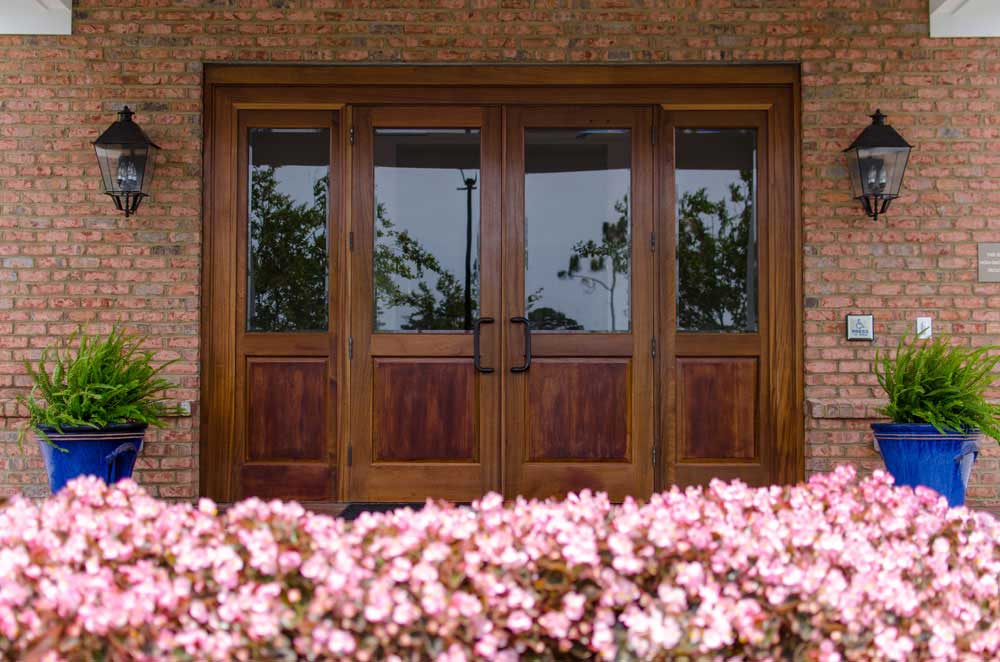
(475, 343)
(527, 344)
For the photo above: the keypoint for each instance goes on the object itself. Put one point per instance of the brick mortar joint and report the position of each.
(834, 408)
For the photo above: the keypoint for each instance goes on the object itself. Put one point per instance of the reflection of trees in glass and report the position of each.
(550, 319)
(713, 246)
(400, 258)
(613, 250)
(288, 256)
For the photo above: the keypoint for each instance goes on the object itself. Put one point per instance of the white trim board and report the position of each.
(36, 16)
(965, 18)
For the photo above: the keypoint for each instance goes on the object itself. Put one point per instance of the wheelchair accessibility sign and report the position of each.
(860, 327)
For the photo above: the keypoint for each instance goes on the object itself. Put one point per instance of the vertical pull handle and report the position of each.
(475, 343)
(527, 344)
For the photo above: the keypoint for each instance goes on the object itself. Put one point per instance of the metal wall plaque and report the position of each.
(860, 327)
(989, 263)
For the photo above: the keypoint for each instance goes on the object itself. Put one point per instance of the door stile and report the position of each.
(344, 339)
(666, 260)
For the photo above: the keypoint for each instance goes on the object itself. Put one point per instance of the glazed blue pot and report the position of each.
(917, 454)
(108, 453)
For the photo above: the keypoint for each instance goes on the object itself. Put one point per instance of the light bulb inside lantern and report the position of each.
(128, 176)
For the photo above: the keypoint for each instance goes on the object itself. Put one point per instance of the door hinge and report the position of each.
(350, 455)
(652, 347)
(654, 454)
(350, 241)
(652, 135)
(652, 241)
(350, 135)
(350, 347)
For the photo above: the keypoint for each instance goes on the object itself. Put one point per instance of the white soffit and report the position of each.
(36, 16)
(965, 18)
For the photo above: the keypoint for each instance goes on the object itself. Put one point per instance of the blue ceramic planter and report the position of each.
(917, 454)
(108, 453)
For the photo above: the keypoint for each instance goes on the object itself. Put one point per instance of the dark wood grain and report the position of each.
(424, 410)
(375, 77)
(286, 409)
(717, 408)
(579, 410)
(303, 482)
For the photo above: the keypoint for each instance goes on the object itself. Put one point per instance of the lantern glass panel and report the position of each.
(125, 168)
(107, 159)
(879, 170)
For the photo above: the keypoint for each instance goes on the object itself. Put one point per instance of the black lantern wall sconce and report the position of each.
(876, 161)
(125, 155)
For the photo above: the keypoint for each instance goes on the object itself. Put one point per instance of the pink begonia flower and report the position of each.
(837, 568)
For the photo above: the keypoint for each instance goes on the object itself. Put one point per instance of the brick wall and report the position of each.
(65, 258)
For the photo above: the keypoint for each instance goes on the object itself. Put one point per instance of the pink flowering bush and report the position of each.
(834, 569)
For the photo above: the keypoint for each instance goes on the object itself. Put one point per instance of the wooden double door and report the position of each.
(440, 300)
(502, 309)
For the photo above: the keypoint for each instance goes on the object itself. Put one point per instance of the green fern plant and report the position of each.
(102, 381)
(937, 382)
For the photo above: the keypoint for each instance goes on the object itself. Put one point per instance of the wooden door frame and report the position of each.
(774, 88)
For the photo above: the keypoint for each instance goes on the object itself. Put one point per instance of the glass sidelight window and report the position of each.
(716, 194)
(577, 229)
(426, 229)
(288, 213)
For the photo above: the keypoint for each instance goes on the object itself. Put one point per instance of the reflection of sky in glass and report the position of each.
(297, 181)
(561, 209)
(427, 203)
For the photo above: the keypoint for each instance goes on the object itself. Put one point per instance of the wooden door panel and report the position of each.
(287, 409)
(717, 417)
(425, 410)
(579, 410)
(303, 482)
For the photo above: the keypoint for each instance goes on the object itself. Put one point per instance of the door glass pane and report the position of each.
(287, 279)
(716, 175)
(426, 229)
(577, 249)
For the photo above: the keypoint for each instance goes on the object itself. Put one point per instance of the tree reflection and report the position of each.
(287, 288)
(401, 259)
(715, 249)
(612, 251)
